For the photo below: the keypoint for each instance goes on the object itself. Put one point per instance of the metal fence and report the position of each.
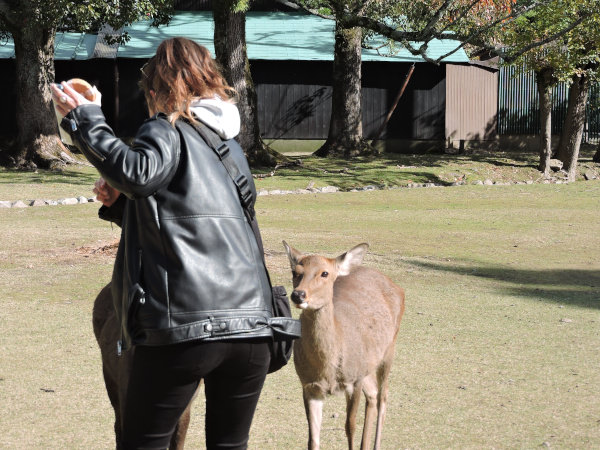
(518, 105)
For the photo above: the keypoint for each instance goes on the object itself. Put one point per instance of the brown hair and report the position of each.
(180, 71)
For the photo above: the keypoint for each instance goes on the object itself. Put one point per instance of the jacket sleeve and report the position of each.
(138, 170)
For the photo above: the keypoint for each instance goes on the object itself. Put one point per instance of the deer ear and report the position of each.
(293, 255)
(352, 258)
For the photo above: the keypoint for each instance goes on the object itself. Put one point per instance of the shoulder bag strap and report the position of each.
(286, 326)
(223, 152)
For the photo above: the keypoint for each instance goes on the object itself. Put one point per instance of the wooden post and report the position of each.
(396, 101)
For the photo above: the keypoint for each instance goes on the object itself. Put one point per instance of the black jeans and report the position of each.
(164, 379)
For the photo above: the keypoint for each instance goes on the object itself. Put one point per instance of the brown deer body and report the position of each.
(350, 320)
(116, 369)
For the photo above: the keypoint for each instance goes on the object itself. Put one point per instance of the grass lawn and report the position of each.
(499, 347)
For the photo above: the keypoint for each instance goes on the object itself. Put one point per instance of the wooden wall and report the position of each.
(471, 104)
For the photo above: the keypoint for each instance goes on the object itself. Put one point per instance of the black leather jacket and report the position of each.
(188, 265)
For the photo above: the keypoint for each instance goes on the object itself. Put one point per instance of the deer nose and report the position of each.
(298, 297)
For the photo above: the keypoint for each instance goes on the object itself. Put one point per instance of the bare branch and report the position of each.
(427, 30)
(462, 15)
(300, 7)
(364, 7)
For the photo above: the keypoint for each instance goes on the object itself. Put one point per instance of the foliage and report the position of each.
(81, 15)
(478, 25)
(576, 52)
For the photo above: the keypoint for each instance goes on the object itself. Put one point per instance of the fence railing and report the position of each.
(518, 105)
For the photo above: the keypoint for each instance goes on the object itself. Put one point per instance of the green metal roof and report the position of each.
(269, 36)
(67, 46)
(144, 38)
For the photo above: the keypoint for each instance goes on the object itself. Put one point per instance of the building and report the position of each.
(291, 56)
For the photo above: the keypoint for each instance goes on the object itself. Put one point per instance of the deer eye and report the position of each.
(325, 274)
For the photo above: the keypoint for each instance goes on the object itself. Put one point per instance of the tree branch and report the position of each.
(364, 7)
(427, 30)
(512, 56)
(300, 7)
(428, 33)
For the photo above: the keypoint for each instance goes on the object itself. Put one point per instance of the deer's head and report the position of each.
(313, 276)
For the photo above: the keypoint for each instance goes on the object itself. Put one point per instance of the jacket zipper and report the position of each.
(95, 153)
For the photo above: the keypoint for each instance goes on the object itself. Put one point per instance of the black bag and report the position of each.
(281, 350)
(285, 328)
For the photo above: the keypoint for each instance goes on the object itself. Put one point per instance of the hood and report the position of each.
(221, 116)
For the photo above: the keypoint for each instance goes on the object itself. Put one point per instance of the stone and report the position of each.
(488, 182)
(4, 204)
(589, 175)
(37, 203)
(329, 189)
(19, 204)
(82, 199)
(67, 201)
(51, 202)
(555, 164)
(478, 182)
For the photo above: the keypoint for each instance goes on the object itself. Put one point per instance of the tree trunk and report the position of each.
(572, 131)
(37, 141)
(544, 84)
(597, 155)
(345, 137)
(230, 52)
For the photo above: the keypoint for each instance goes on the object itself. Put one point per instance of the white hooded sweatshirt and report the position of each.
(221, 116)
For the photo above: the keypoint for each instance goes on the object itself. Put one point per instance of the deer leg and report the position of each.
(382, 378)
(313, 405)
(352, 401)
(370, 391)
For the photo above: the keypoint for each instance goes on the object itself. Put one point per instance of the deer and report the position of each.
(116, 369)
(350, 320)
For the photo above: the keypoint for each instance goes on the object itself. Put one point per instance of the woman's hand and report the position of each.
(67, 98)
(105, 193)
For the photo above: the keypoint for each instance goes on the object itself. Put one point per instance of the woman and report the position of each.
(189, 285)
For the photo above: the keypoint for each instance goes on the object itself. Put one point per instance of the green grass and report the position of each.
(47, 184)
(389, 170)
(498, 347)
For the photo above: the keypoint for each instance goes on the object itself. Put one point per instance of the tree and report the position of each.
(230, 51)
(583, 56)
(345, 136)
(32, 24)
(545, 81)
(413, 24)
(571, 58)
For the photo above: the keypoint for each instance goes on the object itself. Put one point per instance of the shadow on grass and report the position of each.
(40, 176)
(566, 287)
(388, 170)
